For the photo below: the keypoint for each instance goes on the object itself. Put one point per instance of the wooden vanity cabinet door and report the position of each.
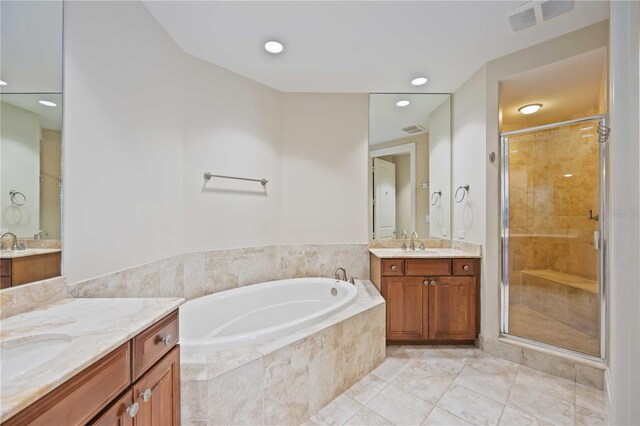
(452, 308)
(407, 300)
(117, 415)
(162, 383)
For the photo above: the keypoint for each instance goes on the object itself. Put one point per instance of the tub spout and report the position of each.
(336, 274)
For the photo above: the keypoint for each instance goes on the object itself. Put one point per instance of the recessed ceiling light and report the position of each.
(419, 81)
(273, 47)
(3, 83)
(402, 104)
(530, 109)
(47, 103)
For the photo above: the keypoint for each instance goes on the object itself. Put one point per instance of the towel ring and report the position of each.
(17, 198)
(465, 189)
(438, 195)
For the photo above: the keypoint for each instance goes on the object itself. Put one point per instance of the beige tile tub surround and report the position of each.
(27, 297)
(288, 379)
(97, 326)
(193, 275)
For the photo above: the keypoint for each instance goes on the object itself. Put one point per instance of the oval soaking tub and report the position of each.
(259, 312)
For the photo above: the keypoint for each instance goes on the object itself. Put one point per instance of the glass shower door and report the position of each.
(552, 261)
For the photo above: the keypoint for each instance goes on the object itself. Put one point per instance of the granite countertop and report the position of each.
(96, 327)
(429, 253)
(11, 254)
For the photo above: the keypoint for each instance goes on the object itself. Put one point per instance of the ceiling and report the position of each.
(31, 46)
(358, 46)
(50, 117)
(567, 89)
(386, 120)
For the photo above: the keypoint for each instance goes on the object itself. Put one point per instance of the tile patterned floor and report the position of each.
(428, 385)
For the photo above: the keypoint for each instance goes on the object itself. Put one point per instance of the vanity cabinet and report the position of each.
(429, 300)
(137, 384)
(26, 269)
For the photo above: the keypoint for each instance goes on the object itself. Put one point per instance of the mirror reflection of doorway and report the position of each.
(384, 193)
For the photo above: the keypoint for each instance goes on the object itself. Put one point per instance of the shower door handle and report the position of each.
(596, 240)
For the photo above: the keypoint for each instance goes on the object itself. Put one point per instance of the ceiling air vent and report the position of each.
(416, 128)
(536, 12)
(523, 19)
(552, 8)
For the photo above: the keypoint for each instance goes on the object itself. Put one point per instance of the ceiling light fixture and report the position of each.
(273, 47)
(419, 81)
(568, 175)
(3, 83)
(47, 103)
(530, 109)
(402, 104)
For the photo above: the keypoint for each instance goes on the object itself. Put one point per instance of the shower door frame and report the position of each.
(602, 228)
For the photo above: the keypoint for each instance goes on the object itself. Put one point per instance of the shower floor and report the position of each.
(531, 324)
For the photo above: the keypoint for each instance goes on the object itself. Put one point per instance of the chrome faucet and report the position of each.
(404, 243)
(14, 244)
(38, 235)
(414, 235)
(336, 274)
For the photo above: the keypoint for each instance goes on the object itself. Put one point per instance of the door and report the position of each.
(121, 412)
(158, 393)
(452, 308)
(407, 303)
(384, 198)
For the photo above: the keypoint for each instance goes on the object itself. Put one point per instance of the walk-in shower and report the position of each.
(553, 245)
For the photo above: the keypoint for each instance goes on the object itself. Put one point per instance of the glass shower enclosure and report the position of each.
(553, 205)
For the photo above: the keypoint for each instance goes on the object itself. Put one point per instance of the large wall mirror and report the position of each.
(409, 165)
(30, 141)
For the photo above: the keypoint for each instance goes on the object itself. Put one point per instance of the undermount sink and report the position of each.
(19, 355)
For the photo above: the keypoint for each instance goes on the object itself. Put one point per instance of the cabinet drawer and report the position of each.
(150, 345)
(464, 267)
(78, 400)
(5, 267)
(428, 267)
(392, 266)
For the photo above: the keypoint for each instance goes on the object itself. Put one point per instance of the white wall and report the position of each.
(624, 236)
(324, 168)
(122, 139)
(232, 126)
(440, 170)
(20, 170)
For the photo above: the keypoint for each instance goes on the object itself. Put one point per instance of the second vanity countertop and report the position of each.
(96, 327)
(12, 254)
(429, 253)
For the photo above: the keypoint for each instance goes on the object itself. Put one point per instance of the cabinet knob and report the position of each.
(166, 340)
(146, 395)
(425, 282)
(465, 267)
(394, 267)
(132, 410)
(433, 283)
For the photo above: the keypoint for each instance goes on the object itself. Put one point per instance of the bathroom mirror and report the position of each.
(409, 165)
(30, 141)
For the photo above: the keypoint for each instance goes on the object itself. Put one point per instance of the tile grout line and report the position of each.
(509, 394)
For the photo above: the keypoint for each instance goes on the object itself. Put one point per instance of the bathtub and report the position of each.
(259, 312)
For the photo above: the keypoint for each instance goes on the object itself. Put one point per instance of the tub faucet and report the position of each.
(14, 243)
(414, 235)
(38, 235)
(336, 274)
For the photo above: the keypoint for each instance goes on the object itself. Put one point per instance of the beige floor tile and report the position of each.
(553, 386)
(541, 405)
(586, 417)
(590, 398)
(440, 417)
(366, 417)
(495, 385)
(514, 417)
(424, 382)
(400, 407)
(337, 412)
(471, 406)
(392, 366)
(367, 388)
(491, 365)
